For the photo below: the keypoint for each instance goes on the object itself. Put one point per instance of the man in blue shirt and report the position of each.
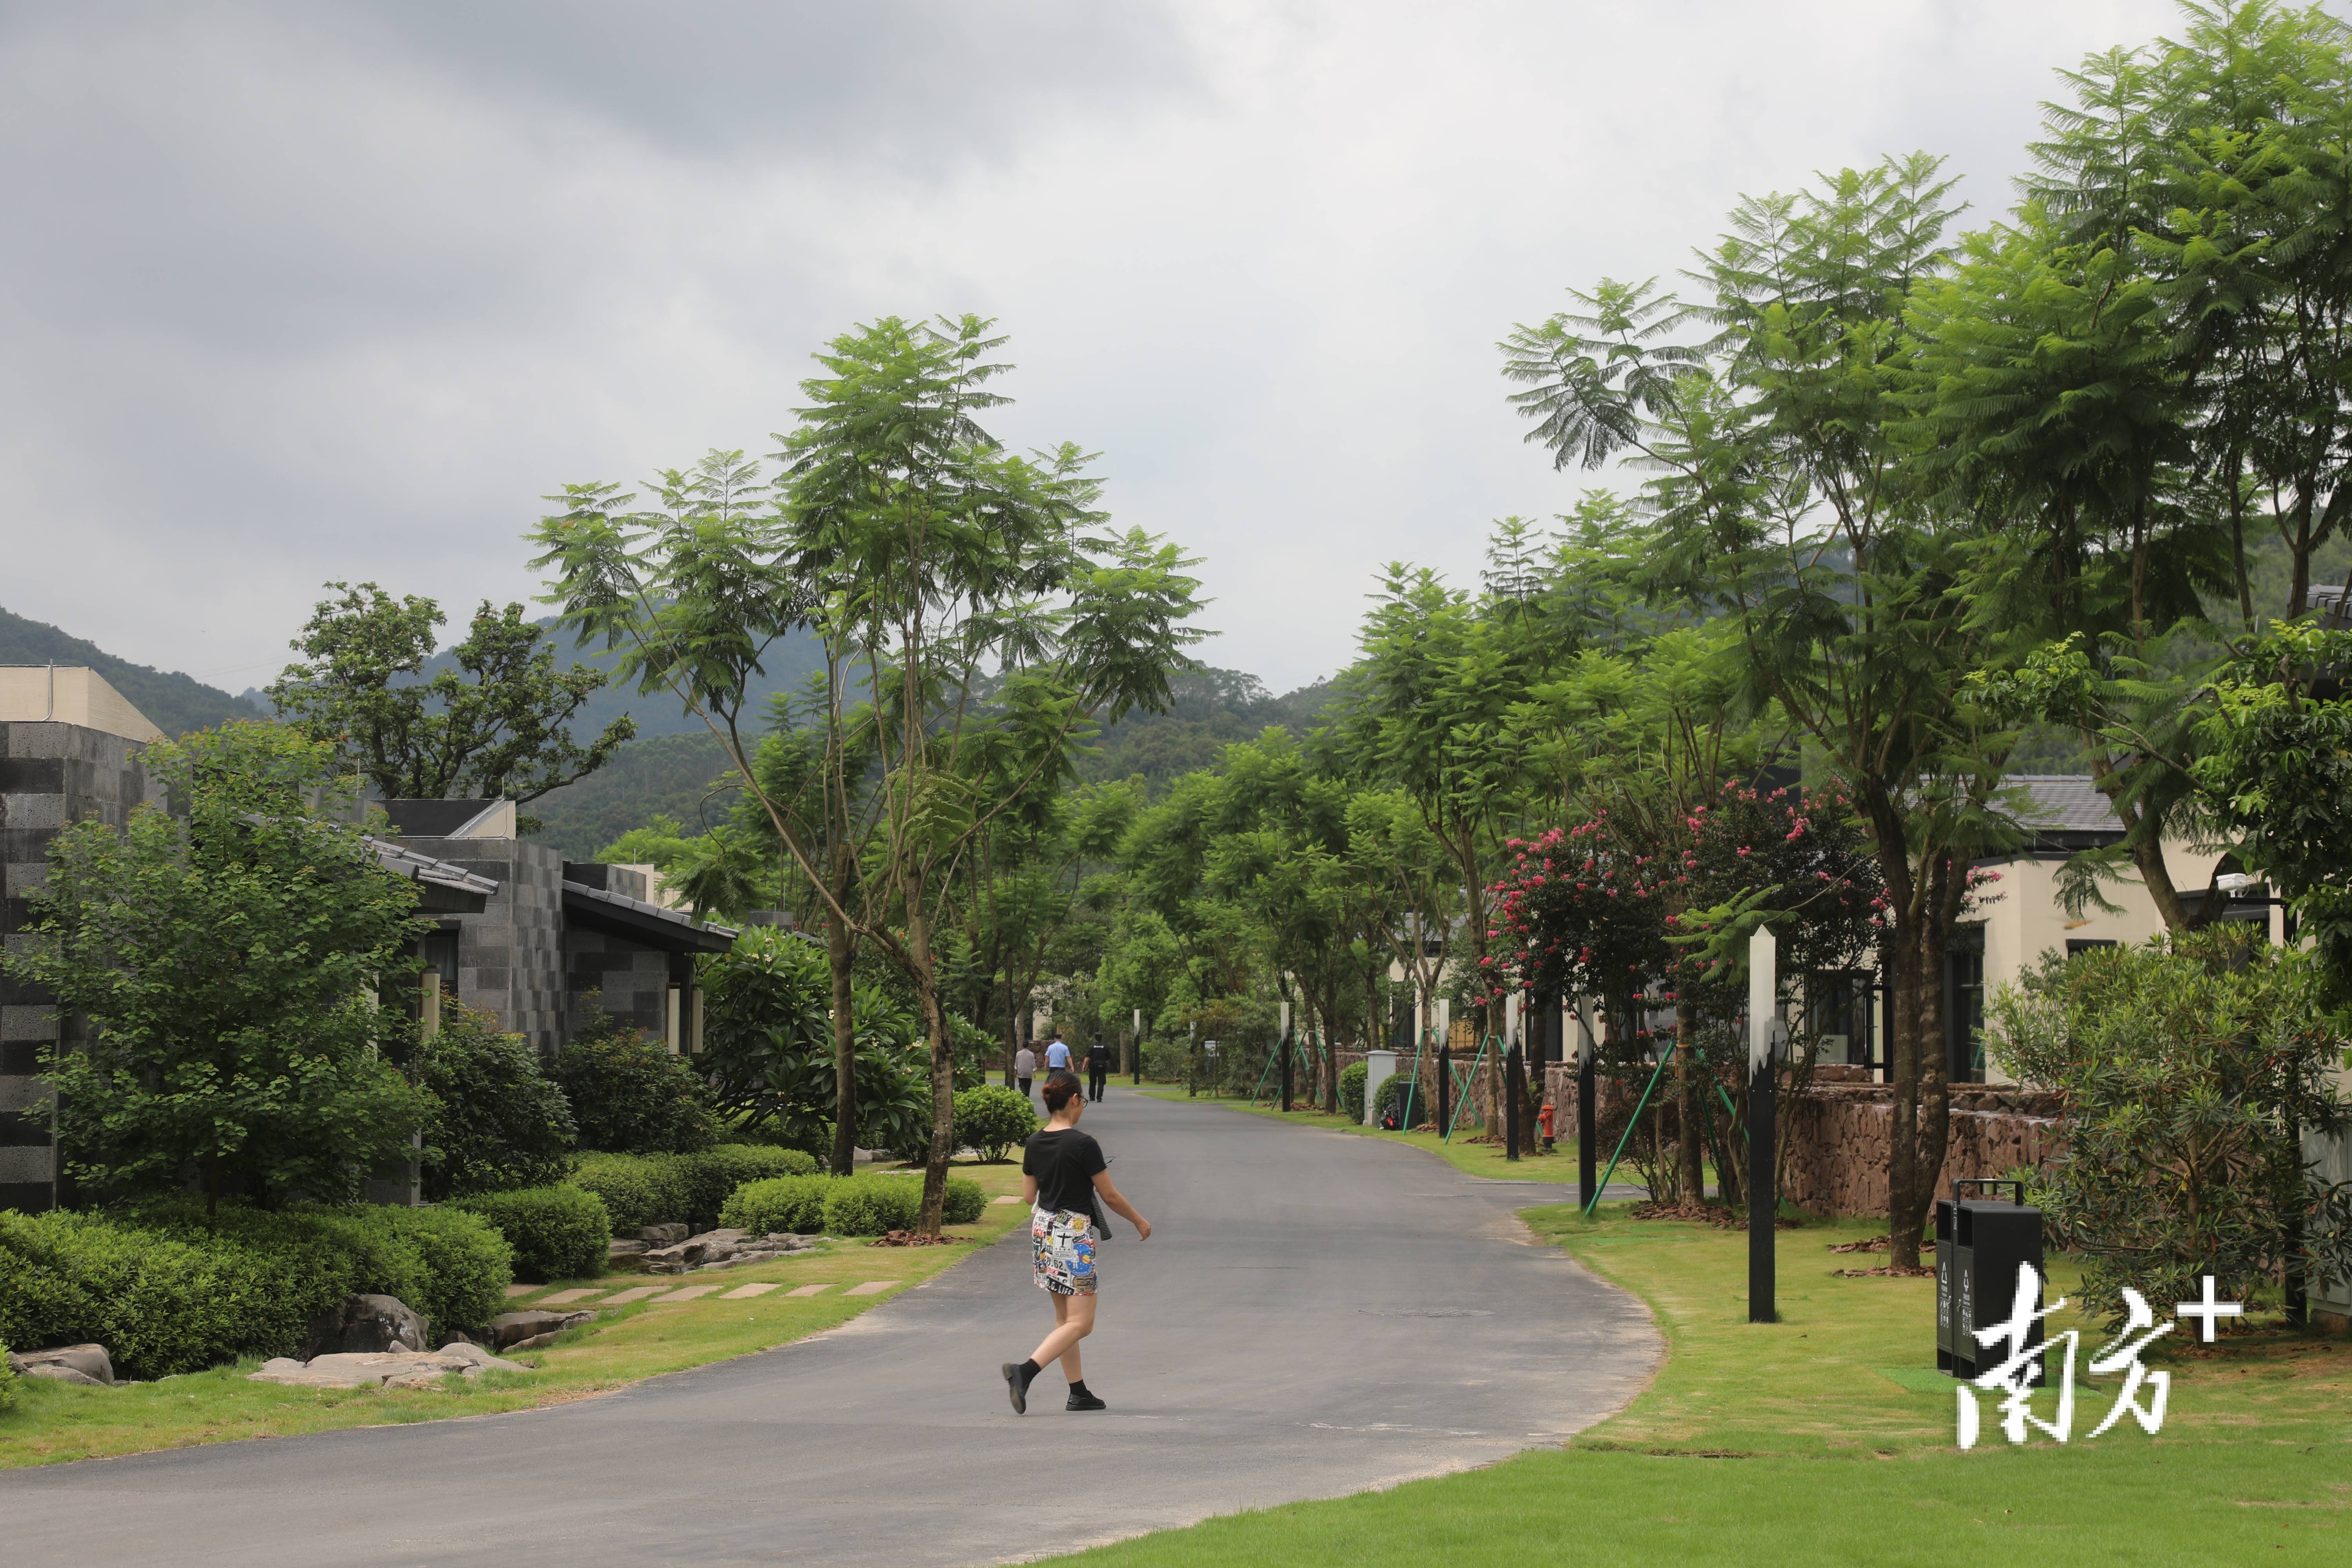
(1057, 1055)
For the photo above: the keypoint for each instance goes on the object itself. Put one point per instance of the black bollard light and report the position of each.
(1445, 1087)
(1587, 1132)
(1515, 1099)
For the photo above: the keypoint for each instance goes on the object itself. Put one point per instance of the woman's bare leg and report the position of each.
(1073, 1320)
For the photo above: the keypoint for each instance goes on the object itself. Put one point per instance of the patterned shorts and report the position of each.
(1062, 1247)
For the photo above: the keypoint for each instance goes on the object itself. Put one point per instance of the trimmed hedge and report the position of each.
(993, 1118)
(167, 1292)
(872, 1204)
(965, 1201)
(778, 1204)
(557, 1232)
(7, 1380)
(1351, 1092)
(640, 1190)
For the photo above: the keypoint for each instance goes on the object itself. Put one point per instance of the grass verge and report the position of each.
(1826, 1438)
(54, 1422)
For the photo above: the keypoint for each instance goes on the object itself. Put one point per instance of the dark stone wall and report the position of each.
(510, 955)
(50, 774)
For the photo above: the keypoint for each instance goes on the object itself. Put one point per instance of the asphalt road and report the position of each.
(1314, 1314)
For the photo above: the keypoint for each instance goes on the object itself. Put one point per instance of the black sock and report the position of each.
(1079, 1386)
(1028, 1371)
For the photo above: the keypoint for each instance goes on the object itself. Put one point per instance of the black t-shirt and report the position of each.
(1066, 1164)
(1098, 1055)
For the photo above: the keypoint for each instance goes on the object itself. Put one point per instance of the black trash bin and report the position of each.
(1979, 1244)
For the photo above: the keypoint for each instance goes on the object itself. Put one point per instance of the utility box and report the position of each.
(1980, 1246)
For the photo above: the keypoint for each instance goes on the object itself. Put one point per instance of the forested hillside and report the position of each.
(175, 703)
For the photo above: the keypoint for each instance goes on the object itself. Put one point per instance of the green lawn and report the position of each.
(53, 1421)
(1474, 1159)
(1825, 1439)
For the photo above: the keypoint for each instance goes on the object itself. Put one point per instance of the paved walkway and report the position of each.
(1316, 1314)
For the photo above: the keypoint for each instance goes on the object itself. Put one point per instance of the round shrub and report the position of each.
(557, 1232)
(712, 1176)
(993, 1118)
(1351, 1092)
(872, 1205)
(778, 1204)
(498, 1122)
(1392, 1097)
(8, 1379)
(629, 1095)
(638, 1190)
(468, 1264)
(964, 1200)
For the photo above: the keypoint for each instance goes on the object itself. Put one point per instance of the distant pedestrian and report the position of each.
(1067, 1181)
(1025, 1068)
(1057, 1055)
(1098, 1070)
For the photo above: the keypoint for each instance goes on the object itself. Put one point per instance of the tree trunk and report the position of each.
(927, 990)
(839, 957)
(1692, 1156)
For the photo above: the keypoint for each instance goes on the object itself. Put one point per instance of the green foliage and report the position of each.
(1390, 1097)
(1351, 1091)
(637, 1190)
(778, 1204)
(965, 1200)
(167, 1292)
(226, 962)
(7, 1380)
(499, 724)
(2191, 1067)
(557, 1232)
(498, 1122)
(629, 1094)
(993, 1118)
(871, 1205)
(713, 1174)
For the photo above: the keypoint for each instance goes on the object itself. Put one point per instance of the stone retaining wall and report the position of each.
(1837, 1135)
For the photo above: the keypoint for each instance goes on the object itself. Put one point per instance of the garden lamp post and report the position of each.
(1588, 1132)
(1283, 1044)
(1137, 1060)
(1763, 1202)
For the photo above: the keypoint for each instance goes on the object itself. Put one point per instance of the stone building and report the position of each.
(507, 924)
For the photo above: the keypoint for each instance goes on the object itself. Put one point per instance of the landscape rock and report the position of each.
(626, 1256)
(90, 1361)
(365, 1325)
(386, 1370)
(508, 1330)
(662, 1234)
(59, 1372)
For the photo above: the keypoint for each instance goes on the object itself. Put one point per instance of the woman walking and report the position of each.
(1067, 1181)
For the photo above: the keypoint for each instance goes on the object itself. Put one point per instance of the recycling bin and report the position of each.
(1979, 1244)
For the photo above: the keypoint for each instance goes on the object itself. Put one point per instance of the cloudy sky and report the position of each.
(309, 292)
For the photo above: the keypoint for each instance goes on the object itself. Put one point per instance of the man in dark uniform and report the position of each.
(1098, 1070)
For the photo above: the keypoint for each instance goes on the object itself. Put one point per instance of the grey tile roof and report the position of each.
(415, 868)
(2066, 803)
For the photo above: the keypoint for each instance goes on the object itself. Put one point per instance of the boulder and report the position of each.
(625, 1256)
(365, 1325)
(58, 1373)
(388, 1370)
(509, 1330)
(90, 1361)
(662, 1234)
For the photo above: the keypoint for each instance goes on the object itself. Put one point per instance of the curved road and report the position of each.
(1316, 1314)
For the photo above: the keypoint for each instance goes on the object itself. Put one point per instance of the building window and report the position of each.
(1964, 1005)
(2084, 944)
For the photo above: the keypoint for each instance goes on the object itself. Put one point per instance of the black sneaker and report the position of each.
(1016, 1387)
(1084, 1401)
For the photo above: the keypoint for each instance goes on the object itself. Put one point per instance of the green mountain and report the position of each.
(175, 703)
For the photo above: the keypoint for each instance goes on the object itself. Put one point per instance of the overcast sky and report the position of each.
(309, 292)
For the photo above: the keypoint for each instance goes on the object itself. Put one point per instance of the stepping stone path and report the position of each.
(808, 1290)
(563, 1296)
(745, 1292)
(871, 1288)
(1004, 1200)
(634, 1293)
(515, 1290)
(690, 1293)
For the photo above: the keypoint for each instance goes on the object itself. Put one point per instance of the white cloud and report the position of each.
(298, 294)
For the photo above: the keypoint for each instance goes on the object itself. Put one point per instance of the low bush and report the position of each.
(557, 1232)
(873, 1204)
(691, 1190)
(637, 1190)
(712, 1176)
(993, 1118)
(166, 1291)
(7, 1380)
(778, 1204)
(1351, 1092)
(1390, 1097)
(499, 1124)
(965, 1201)
(628, 1094)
